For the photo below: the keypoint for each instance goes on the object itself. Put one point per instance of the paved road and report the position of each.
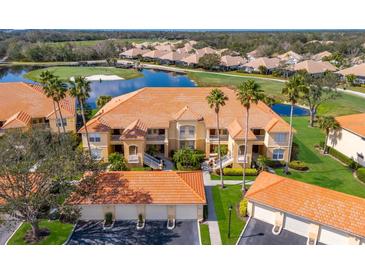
(6, 230)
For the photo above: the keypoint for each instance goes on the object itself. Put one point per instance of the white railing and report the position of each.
(152, 162)
(226, 161)
(260, 137)
(133, 159)
(241, 159)
(156, 137)
(115, 137)
(215, 137)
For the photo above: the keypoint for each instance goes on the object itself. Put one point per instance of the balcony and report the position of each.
(223, 138)
(186, 136)
(260, 137)
(155, 137)
(133, 159)
(115, 138)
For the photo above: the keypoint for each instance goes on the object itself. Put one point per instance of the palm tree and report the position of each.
(247, 93)
(292, 91)
(327, 123)
(217, 99)
(80, 89)
(102, 100)
(58, 93)
(46, 80)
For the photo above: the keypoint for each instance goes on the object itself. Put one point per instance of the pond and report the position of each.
(284, 110)
(151, 78)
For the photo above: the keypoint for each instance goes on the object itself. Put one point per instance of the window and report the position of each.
(58, 122)
(96, 154)
(187, 132)
(278, 154)
(94, 138)
(187, 144)
(241, 150)
(133, 150)
(280, 138)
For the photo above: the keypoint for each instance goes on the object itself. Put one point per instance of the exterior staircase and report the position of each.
(226, 161)
(152, 162)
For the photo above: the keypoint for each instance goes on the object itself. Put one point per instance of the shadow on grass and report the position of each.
(306, 154)
(218, 204)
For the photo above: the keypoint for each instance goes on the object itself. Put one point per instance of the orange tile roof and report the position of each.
(357, 70)
(164, 104)
(19, 96)
(238, 132)
(146, 187)
(354, 123)
(313, 67)
(136, 130)
(317, 204)
(269, 63)
(186, 114)
(18, 120)
(229, 61)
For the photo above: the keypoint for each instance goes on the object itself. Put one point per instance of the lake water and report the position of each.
(151, 78)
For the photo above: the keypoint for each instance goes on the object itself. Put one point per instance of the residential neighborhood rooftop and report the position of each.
(314, 67)
(334, 209)
(357, 70)
(148, 187)
(354, 123)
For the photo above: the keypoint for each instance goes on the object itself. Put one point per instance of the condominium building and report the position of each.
(168, 119)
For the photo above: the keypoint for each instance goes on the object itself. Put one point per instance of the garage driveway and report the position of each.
(125, 233)
(7, 229)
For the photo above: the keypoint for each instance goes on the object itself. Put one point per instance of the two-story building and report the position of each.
(24, 105)
(168, 119)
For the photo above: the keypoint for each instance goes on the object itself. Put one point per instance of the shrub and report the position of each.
(298, 165)
(321, 144)
(274, 163)
(224, 150)
(243, 207)
(70, 214)
(238, 171)
(117, 162)
(188, 159)
(141, 168)
(360, 173)
(343, 158)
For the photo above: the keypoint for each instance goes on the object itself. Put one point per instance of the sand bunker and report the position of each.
(101, 77)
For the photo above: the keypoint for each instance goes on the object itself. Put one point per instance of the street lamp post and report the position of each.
(229, 221)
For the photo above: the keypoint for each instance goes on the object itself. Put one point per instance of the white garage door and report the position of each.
(156, 212)
(126, 212)
(186, 212)
(92, 212)
(264, 214)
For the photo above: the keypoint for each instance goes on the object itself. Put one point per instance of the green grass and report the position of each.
(323, 170)
(231, 178)
(59, 233)
(223, 198)
(346, 104)
(255, 75)
(66, 72)
(204, 234)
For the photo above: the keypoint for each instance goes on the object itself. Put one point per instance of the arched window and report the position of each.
(133, 150)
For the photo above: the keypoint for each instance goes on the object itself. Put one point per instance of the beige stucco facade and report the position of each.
(348, 143)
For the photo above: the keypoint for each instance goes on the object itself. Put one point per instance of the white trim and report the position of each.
(243, 230)
(69, 236)
(200, 237)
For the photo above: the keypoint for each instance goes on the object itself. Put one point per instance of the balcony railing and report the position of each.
(133, 159)
(115, 137)
(260, 137)
(241, 159)
(160, 137)
(186, 136)
(215, 137)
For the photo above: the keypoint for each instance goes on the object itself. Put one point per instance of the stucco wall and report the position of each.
(70, 127)
(348, 143)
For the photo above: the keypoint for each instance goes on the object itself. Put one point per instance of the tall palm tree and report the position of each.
(58, 94)
(46, 81)
(80, 89)
(102, 100)
(292, 91)
(217, 99)
(249, 92)
(327, 123)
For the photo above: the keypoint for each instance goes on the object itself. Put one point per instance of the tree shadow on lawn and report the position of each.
(219, 209)
(319, 178)
(307, 155)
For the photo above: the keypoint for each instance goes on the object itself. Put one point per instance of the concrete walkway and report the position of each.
(215, 236)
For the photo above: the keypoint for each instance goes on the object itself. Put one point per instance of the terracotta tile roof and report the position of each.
(236, 131)
(136, 130)
(166, 47)
(28, 98)
(354, 123)
(173, 56)
(269, 63)
(164, 105)
(134, 52)
(206, 50)
(313, 67)
(18, 120)
(276, 125)
(186, 114)
(321, 55)
(191, 59)
(146, 187)
(231, 61)
(317, 204)
(155, 53)
(357, 70)
(290, 54)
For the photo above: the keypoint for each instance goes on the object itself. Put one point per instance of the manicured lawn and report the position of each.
(223, 199)
(346, 104)
(59, 233)
(66, 72)
(231, 178)
(323, 170)
(204, 234)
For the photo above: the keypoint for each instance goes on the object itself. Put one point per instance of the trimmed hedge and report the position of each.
(298, 165)
(343, 158)
(238, 171)
(274, 163)
(360, 173)
(243, 207)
